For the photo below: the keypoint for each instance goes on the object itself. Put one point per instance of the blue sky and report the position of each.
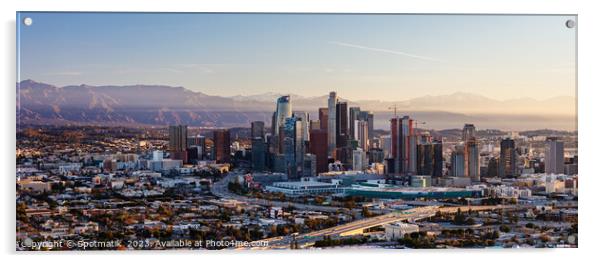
(386, 57)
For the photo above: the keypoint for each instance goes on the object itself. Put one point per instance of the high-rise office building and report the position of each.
(361, 134)
(507, 163)
(342, 124)
(323, 117)
(273, 126)
(258, 154)
(368, 116)
(492, 167)
(471, 160)
(376, 155)
(300, 128)
(303, 117)
(425, 153)
(457, 161)
(403, 145)
(318, 146)
(221, 145)
(178, 141)
(554, 156)
(437, 158)
(332, 122)
(386, 145)
(314, 125)
(289, 150)
(257, 129)
(309, 165)
(200, 142)
(283, 111)
(178, 136)
(468, 132)
(354, 114)
(429, 154)
(360, 161)
(471, 152)
(197, 140)
(344, 155)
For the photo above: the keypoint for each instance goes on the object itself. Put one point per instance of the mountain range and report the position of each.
(41, 103)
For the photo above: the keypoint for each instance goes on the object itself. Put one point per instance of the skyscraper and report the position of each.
(301, 128)
(342, 124)
(368, 116)
(178, 142)
(323, 117)
(221, 145)
(354, 114)
(437, 158)
(258, 154)
(507, 162)
(318, 145)
(554, 156)
(283, 111)
(309, 165)
(471, 152)
(199, 143)
(457, 161)
(403, 145)
(314, 125)
(385, 144)
(361, 134)
(425, 155)
(303, 117)
(471, 160)
(274, 127)
(468, 132)
(177, 137)
(359, 162)
(332, 121)
(257, 129)
(289, 139)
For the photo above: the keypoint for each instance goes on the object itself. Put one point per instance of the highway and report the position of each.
(357, 227)
(220, 189)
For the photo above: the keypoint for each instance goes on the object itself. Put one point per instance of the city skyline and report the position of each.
(353, 131)
(504, 57)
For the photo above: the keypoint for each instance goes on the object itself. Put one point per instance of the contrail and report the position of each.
(384, 51)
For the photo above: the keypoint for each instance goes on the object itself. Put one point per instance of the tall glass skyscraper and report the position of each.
(471, 152)
(554, 158)
(342, 124)
(354, 114)
(288, 146)
(332, 121)
(283, 111)
(178, 140)
(507, 162)
(403, 145)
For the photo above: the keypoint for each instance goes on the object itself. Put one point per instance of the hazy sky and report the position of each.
(386, 57)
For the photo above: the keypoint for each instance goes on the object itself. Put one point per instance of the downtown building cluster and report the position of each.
(343, 138)
(340, 139)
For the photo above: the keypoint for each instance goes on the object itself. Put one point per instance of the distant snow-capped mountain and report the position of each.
(159, 105)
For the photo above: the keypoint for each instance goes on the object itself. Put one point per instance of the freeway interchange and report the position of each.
(357, 227)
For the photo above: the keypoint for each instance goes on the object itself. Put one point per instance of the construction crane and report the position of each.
(416, 122)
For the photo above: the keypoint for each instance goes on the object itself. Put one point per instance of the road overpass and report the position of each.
(359, 226)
